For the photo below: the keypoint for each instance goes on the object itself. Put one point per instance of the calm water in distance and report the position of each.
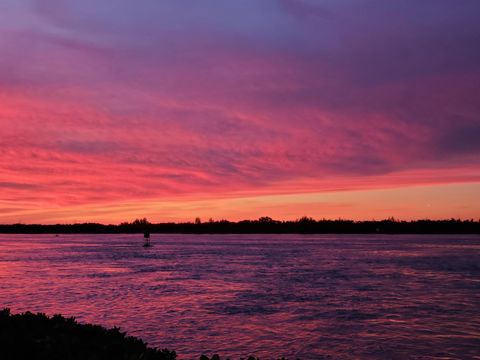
(305, 296)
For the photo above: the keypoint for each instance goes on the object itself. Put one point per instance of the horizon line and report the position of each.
(266, 219)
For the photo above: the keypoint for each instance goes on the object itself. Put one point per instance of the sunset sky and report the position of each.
(116, 109)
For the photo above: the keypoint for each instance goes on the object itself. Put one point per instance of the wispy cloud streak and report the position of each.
(112, 102)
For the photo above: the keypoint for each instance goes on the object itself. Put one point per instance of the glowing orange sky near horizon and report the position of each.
(435, 202)
(114, 111)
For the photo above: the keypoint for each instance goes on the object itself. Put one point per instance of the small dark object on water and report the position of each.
(146, 236)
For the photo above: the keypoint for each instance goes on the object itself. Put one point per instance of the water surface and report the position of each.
(310, 296)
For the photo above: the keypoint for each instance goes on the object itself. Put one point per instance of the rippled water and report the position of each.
(312, 297)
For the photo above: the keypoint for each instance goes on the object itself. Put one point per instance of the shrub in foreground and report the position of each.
(31, 336)
(39, 337)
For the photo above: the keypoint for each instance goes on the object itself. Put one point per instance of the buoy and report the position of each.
(146, 236)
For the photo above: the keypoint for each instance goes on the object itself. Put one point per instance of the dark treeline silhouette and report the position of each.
(37, 336)
(264, 225)
(31, 336)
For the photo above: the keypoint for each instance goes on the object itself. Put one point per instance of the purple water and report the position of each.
(311, 297)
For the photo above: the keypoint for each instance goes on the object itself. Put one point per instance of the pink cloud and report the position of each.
(98, 108)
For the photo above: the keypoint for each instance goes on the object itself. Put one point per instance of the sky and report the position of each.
(117, 109)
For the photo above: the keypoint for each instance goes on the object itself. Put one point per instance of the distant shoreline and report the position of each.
(263, 225)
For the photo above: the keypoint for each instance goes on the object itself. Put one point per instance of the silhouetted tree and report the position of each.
(262, 225)
(141, 222)
(37, 336)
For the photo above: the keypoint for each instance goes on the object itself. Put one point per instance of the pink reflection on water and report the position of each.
(308, 296)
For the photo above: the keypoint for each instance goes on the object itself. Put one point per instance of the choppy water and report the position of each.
(312, 297)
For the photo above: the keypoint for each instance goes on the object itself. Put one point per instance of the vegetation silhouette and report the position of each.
(39, 337)
(30, 336)
(264, 225)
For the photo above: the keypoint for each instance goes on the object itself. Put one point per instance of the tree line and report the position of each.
(263, 225)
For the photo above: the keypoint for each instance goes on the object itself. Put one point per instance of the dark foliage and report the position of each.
(39, 337)
(264, 225)
(31, 336)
